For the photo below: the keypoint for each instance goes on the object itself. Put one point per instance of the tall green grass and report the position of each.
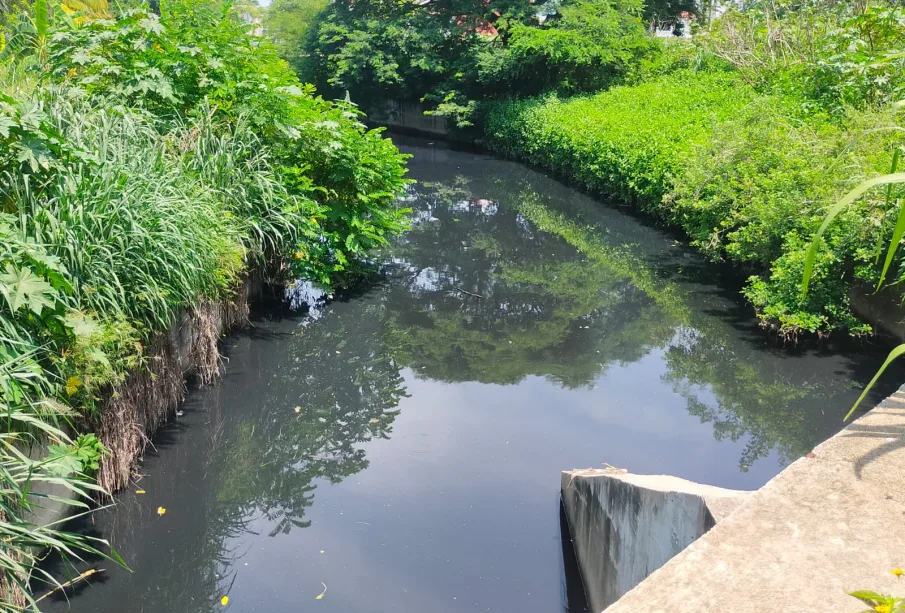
(29, 478)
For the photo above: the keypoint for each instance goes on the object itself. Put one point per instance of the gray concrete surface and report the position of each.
(625, 526)
(409, 116)
(826, 525)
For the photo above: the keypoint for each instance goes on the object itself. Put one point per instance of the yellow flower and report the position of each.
(72, 385)
(161, 510)
(883, 608)
(898, 572)
(299, 255)
(224, 601)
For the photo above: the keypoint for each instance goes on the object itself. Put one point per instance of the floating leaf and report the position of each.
(161, 510)
(321, 595)
(140, 492)
(224, 601)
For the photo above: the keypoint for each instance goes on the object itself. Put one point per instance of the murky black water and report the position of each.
(400, 448)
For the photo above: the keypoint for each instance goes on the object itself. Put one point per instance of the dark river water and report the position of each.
(399, 448)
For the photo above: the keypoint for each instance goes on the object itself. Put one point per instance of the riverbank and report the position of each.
(136, 202)
(517, 314)
(744, 149)
(646, 147)
(746, 176)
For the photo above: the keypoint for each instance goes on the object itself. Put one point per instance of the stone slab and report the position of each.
(828, 524)
(625, 526)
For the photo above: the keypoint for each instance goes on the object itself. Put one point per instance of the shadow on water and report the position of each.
(399, 445)
(574, 598)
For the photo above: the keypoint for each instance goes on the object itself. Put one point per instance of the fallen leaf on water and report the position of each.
(298, 409)
(321, 595)
(224, 601)
(161, 510)
(139, 491)
(322, 551)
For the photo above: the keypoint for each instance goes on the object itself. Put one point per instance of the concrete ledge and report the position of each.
(624, 526)
(828, 524)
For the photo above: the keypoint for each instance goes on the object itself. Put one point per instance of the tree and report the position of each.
(454, 53)
(289, 23)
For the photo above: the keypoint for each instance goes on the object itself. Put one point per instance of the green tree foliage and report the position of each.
(453, 54)
(289, 23)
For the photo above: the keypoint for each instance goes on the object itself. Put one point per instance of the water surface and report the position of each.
(399, 448)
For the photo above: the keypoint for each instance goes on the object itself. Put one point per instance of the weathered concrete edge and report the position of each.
(625, 526)
(830, 523)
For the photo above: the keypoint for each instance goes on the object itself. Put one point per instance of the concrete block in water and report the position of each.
(624, 526)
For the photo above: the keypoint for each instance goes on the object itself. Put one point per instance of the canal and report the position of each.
(398, 448)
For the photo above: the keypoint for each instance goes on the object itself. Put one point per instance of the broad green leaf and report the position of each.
(21, 287)
(81, 325)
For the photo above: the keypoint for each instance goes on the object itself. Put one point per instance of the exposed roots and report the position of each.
(203, 352)
(137, 408)
(11, 595)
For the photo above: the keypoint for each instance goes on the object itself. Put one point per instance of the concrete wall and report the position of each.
(408, 116)
(624, 527)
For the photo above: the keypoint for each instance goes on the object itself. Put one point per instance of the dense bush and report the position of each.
(452, 55)
(629, 142)
(829, 54)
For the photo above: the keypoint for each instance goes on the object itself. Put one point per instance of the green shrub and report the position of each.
(628, 142)
(196, 60)
(759, 188)
(748, 177)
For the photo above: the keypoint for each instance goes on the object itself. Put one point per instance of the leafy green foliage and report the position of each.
(831, 55)
(289, 23)
(746, 175)
(194, 58)
(452, 55)
(82, 456)
(628, 142)
(590, 46)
